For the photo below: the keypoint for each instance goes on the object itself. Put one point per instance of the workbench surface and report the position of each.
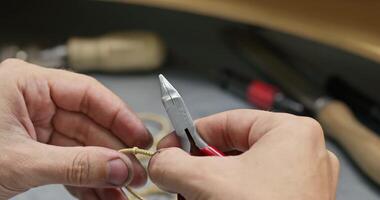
(203, 98)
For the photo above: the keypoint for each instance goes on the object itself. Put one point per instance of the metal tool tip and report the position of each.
(161, 77)
(167, 90)
(164, 82)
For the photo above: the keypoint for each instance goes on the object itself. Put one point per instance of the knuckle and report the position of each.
(78, 171)
(309, 128)
(307, 131)
(11, 62)
(312, 124)
(90, 79)
(286, 118)
(11, 66)
(314, 130)
(86, 78)
(333, 160)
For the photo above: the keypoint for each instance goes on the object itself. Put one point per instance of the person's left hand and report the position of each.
(44, 113)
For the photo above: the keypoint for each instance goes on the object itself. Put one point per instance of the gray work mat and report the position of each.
(203, 98)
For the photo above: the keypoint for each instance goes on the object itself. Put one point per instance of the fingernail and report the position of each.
(118, 173)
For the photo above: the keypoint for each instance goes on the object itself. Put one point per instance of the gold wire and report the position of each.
(137, 196)
(165, 128)
(135, 151)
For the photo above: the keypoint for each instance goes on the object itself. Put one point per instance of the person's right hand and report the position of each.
(284, 158)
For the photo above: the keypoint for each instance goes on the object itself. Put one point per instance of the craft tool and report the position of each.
(259, 93)
(182, 121)
(360, 103)
(338, 121)
(112, 52)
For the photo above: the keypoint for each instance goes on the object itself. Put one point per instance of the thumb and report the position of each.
(174, 170)
(81, 166)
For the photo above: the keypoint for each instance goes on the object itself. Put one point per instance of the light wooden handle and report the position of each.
(361, 143)
(119, 51)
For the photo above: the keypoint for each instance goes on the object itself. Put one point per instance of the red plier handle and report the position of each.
(211, 151)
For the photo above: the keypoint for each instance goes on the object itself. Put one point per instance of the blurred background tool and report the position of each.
(261, 94)
(361, 143)
(335, 38)
(112, 52)
(364, 106)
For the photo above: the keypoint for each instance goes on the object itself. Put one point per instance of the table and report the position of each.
(203, 98)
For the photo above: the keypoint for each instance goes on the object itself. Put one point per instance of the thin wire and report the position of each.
(135, 151)
(165, 128)
(137, 196)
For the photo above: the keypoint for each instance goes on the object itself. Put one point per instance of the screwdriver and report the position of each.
(260, 93)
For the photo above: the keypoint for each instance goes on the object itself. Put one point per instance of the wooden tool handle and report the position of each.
(119, 51)
(361, 143)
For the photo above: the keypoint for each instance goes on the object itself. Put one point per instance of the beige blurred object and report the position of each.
(338, 121)
(361, 143)
(113, 52)
(132, 50)
(347, 24)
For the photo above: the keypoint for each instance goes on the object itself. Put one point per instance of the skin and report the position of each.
(59, 127)
(284, 158)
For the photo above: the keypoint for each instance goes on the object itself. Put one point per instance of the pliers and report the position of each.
(181, 120)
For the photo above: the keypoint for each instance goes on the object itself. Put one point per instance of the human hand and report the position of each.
(284, 158)
(44, 113)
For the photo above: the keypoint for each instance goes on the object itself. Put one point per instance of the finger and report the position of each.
(79, 166)
(140, 175)
(82, 129)
(334, 164)
(170, 140)
(110, 193)
(79, 93)
(173, 170)
(234, 130)
(59, 139)
(96, 194)
(238, 130)
(88, 194)
(83, 193)
(162, 173)
(227, 130)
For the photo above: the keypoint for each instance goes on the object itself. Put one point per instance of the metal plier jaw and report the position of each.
(182, 121)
